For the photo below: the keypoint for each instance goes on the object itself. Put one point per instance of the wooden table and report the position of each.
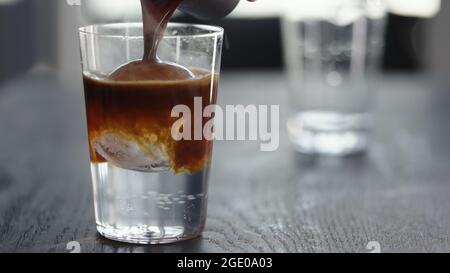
(397, 194)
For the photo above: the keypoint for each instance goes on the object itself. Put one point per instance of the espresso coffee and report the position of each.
(130, 123)
(129, 111)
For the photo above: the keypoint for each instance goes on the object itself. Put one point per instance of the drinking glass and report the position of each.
(332, 52)
(142, 191)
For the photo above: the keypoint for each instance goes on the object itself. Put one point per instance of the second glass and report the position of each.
(332, 51)
(148, 187)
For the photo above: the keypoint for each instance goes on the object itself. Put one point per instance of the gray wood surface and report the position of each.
(397, 194)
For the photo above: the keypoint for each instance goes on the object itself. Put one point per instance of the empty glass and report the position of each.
(332, 54)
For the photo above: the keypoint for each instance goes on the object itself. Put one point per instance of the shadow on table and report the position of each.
(317, 161)
(109, 246)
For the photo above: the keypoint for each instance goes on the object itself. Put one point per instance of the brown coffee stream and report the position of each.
(155, 15)
(130, 110)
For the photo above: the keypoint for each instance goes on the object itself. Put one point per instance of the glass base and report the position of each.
(329, 133)
(149, 207)
(148, 234)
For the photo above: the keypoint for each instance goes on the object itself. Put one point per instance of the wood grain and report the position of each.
(397, 194)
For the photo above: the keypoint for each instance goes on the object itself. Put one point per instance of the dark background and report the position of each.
(31, 33)
(257, 43)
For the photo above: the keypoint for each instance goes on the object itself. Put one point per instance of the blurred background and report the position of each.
(398, 192)
(44, 34)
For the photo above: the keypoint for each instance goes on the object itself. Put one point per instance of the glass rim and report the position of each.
(210, 30)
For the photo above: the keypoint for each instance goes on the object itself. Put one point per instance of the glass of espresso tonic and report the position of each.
(150, 168)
